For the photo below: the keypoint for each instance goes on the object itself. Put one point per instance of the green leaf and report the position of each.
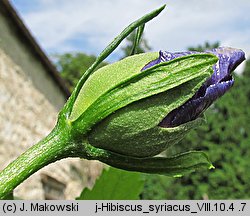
(115, 184)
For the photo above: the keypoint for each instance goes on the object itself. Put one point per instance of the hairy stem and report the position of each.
(54, 147)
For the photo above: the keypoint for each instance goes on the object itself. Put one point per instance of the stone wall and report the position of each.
(21, 51)
(26, 116)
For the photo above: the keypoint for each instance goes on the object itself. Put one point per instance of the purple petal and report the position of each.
(215, 86)
(229, 59)
(165, 56)
(195, 106)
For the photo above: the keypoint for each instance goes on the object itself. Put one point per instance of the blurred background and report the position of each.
(89, 25)
(45, 47)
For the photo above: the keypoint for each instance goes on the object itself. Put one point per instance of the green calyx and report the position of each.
(120, 107)
(116, 110)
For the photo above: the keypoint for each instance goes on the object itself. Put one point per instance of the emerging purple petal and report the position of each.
(195, 106)
(219, 83)
(165, 56)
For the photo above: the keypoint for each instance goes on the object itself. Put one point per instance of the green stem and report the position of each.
(54, 147)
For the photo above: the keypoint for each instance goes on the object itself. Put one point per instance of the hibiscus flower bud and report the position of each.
(138, 107)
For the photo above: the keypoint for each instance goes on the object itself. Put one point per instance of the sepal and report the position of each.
(175, 166)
